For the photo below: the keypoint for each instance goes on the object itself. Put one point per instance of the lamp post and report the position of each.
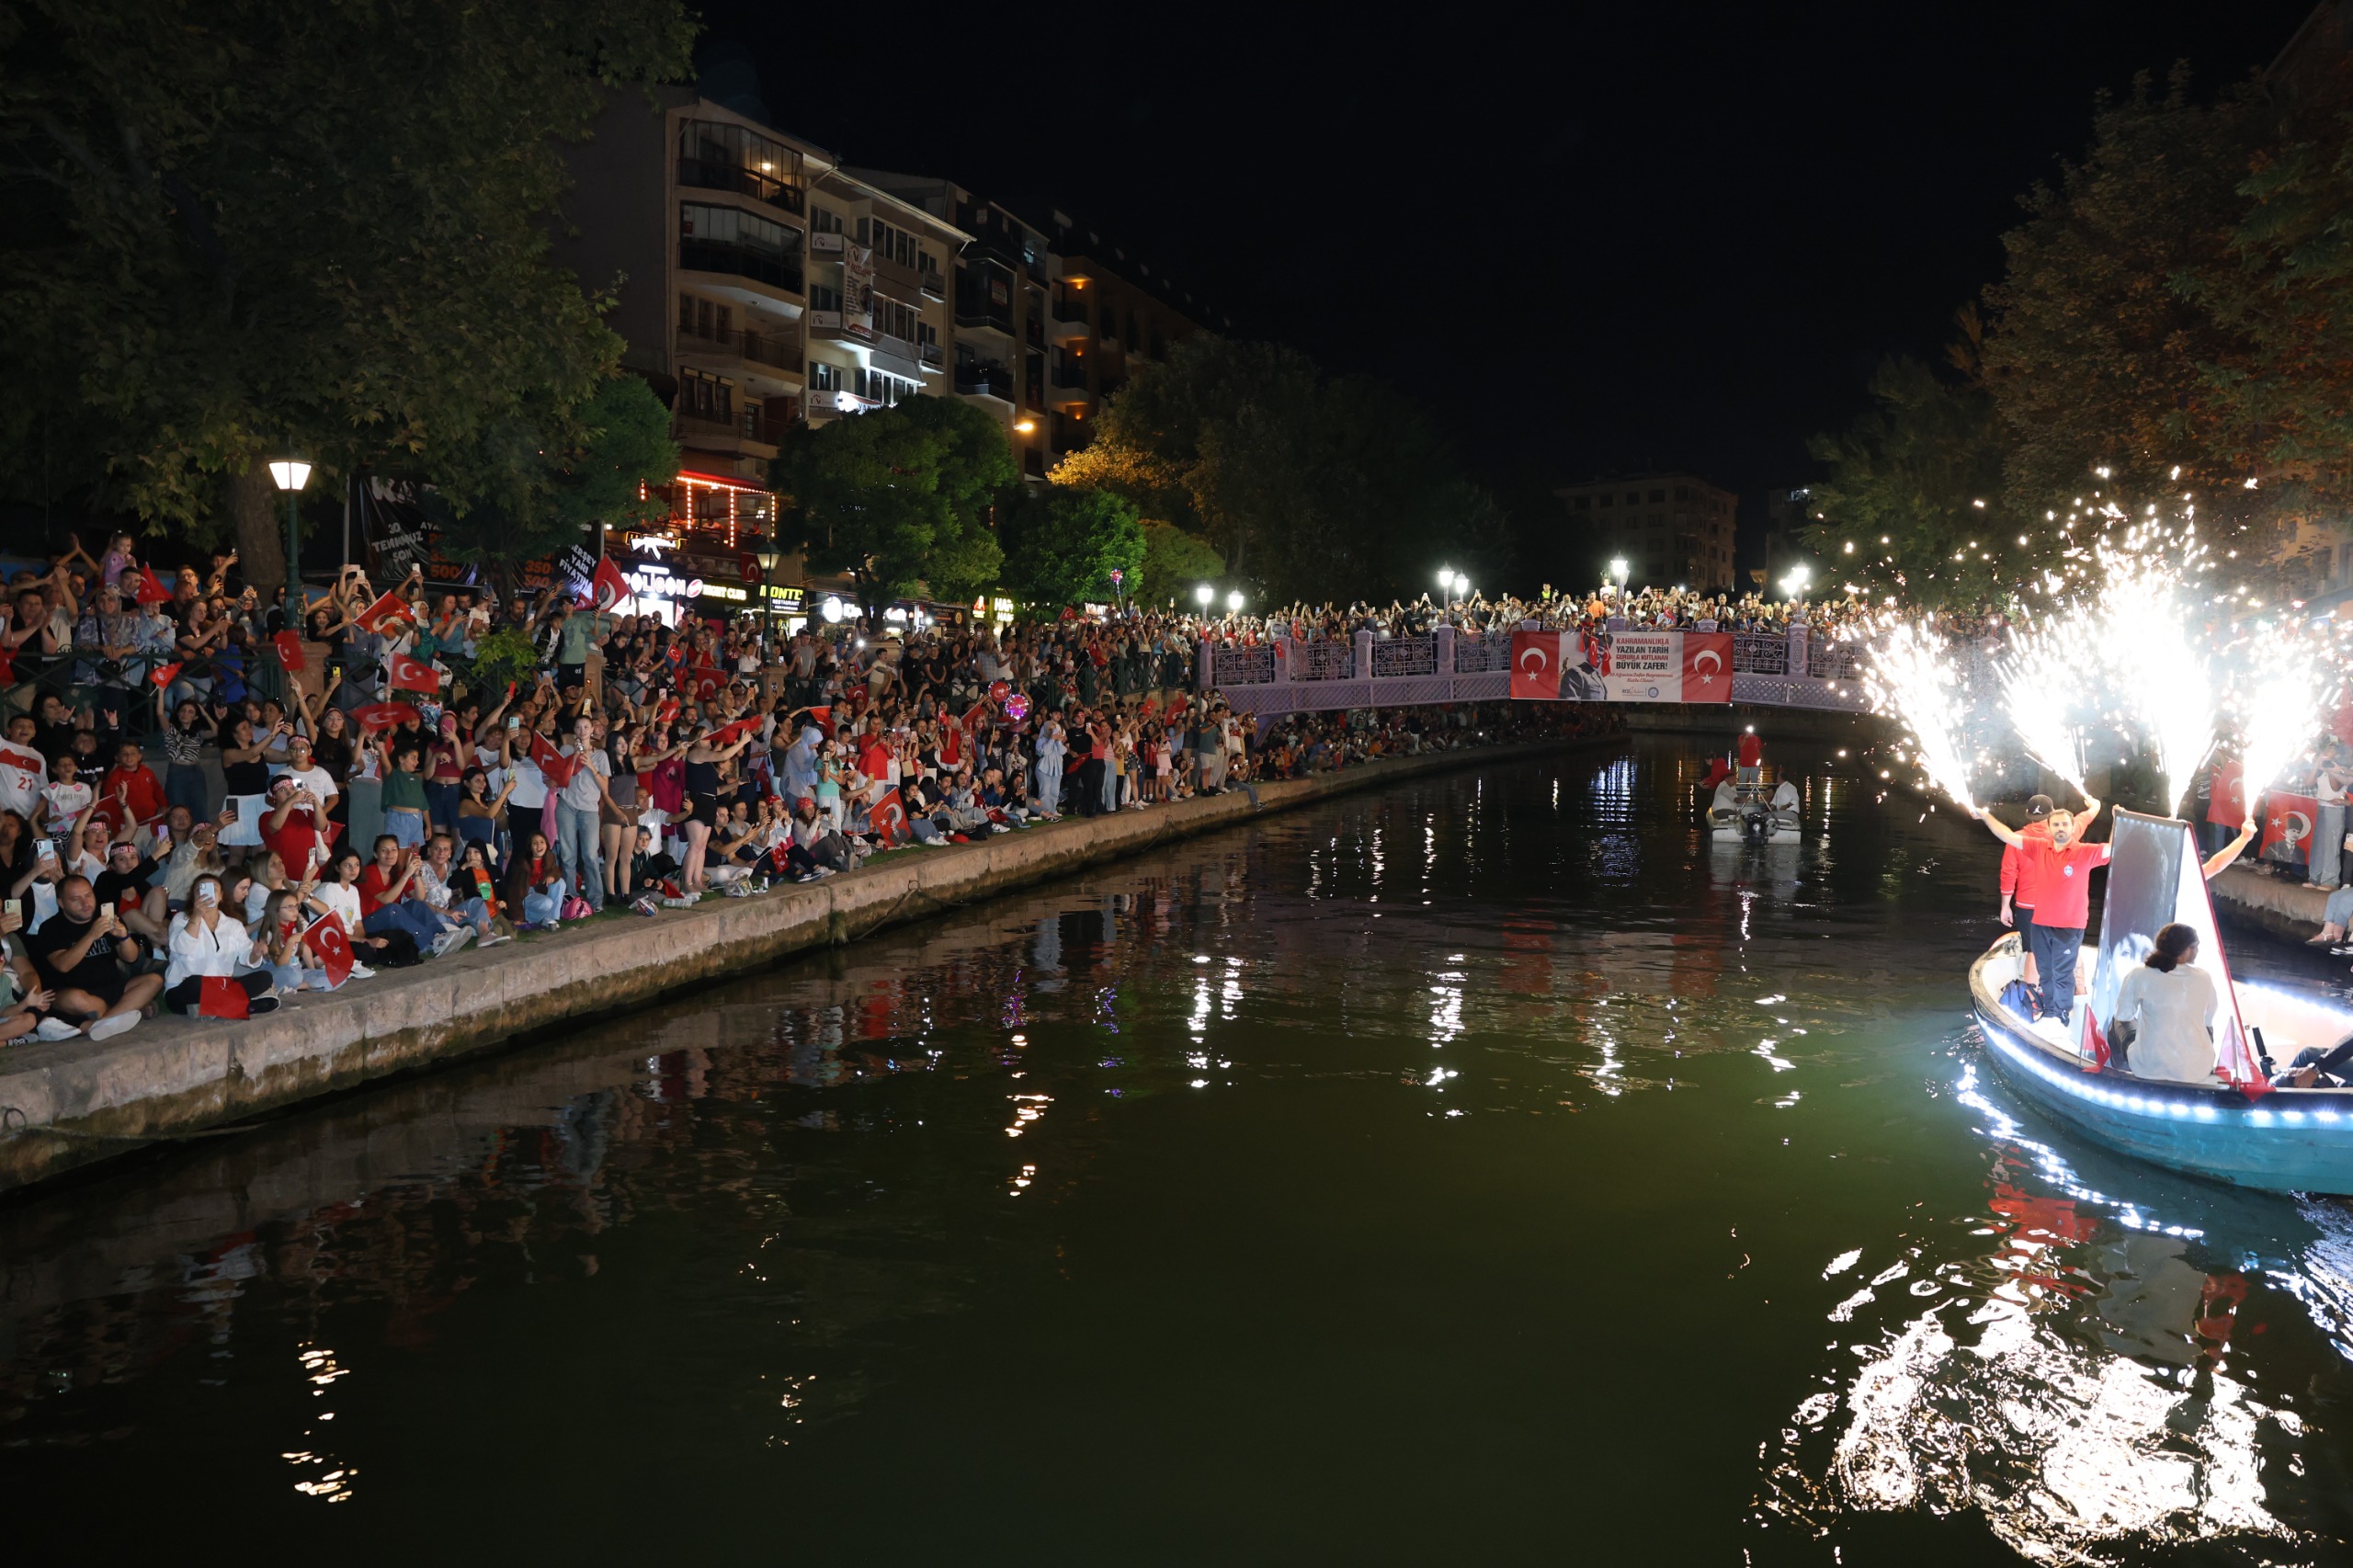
(1618, 570)
(767, 555)
(290, 473)
(1204, 595)
(1234, 602)
(1446, 584)
(1794, 583)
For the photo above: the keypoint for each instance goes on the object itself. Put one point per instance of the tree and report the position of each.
(2102, 330)
(245, 226)
(1913, 501)
(898, 498)
(506, 500)
(1174, 561)
(1310, 486)
(1066, 544)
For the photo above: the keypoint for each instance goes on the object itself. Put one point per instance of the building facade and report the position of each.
(1672, 529)
(1108, 315)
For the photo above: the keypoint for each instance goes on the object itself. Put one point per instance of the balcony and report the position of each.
(982, 379)
(751, 437)
(1069, 321)
(776, 270)
(832, 326)
(1070, 384)
(933, 282)
(704, 174)
(778, 352)
(929, 356)
(979, 317)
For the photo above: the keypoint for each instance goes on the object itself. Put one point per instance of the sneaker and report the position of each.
(492, 941)
(108, 1028)
(361, 972)
(449, 941)
(739, 890)
(56, 1028)
(260, 1005)
(824, 872)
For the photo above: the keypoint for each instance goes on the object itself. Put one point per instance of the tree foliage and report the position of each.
(505, 499)
(1174, 561)
(1308, 485)
(243, 224)
(1066, 542)
(899, 497)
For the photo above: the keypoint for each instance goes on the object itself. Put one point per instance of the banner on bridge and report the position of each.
(1629, 667)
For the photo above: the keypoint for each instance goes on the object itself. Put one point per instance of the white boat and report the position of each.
(2239, 1130)
(1743, 809)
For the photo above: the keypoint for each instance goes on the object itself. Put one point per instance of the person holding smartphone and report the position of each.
(85, 958)
(208, 943)
(24, 1001)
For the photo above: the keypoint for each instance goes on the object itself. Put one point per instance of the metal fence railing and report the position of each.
(1405, 656)
(1236, 665)
(1323, 661)
(1760, 654)
(1826, 659)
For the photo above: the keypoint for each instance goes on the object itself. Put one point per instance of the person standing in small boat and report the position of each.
(2019, 891)
(2171, 1003)
(2061, 867)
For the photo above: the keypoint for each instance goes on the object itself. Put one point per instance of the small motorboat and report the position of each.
(2240, 1130)
(1741, 807)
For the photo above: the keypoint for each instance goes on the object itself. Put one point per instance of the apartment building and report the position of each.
(1109, 314)
(1671, 528)
(879, 323)
(998, 287)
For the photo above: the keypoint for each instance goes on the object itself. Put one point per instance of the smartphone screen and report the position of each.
(106, 912)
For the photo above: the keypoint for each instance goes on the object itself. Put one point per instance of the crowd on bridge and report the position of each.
(206, 805)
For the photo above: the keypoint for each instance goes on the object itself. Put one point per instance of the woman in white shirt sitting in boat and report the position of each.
(2172, 1002)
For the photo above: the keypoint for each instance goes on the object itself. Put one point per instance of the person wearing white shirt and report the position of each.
(208, 944)
(2171, 1003)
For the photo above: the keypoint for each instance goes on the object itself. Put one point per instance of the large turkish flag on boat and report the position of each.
(1707, 666)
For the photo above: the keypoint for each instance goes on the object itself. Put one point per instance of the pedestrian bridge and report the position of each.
(1769, 669)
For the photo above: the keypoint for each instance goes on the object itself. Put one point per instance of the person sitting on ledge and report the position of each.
(208, 943)
(84, 956)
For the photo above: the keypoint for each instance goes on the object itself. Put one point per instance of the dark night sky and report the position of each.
(1616, 236)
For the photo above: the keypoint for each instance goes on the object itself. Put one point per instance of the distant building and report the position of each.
(1110, 316)
(1672, 530)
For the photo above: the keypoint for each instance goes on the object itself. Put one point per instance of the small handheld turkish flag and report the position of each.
(289, 645)
(889, 818)
(609, 587)
(404, 674)
(150, 589)
(553, 765)
(222, 997)
(382, 715)
(2095, 1043)
(165, 675)
(822, 718)
(333, 944)
(974, 717)
(384, 615)
(2227, 799)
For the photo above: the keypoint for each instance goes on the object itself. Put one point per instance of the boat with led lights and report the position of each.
(2240, 1130)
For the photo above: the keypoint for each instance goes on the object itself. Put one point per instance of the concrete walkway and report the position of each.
(72, 1102)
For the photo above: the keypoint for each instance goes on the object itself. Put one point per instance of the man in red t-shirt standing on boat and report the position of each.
(2060, 868)
(2021, 886)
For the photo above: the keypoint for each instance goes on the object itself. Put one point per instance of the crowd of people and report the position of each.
(1607, 608)
(390, 775)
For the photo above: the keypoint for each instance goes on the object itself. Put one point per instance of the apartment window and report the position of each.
(729, 225)
(734, 158)
(704, 318)
(887, 240)
(707, 397)
(825, 220)
(1608, 500)
(1683, 493)
(1633, 498)
(927, 334)
(1658, 494)
(894, 319)
(825, 377)
(752, 409)
(824, 297)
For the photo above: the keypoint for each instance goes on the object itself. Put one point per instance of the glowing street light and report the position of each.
(1204, 595)
(1233, 601)
(1794, 583)
(290, 474)
(1446, 580)
(1617, 569)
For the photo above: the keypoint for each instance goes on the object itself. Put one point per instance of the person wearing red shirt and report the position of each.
(2060, 868)
(2019, 885)
(386, 905)
(131, 781)
(289, 828)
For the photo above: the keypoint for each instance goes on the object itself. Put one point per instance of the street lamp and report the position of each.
(290, 473)
(1794, 583)
(1617, 569)
(1445, 581)
(768, 556)
(1233, 601)
(1204, 594)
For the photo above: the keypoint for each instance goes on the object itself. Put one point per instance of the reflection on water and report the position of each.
(1500, 1142)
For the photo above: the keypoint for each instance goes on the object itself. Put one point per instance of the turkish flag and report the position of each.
(609, 587)
(165, 675)
(553, 765)
(823, 718)
(727, 735)
(150, 589)
(333, 944)
(289, 645)
(384, 614)
(222, 997)
(404, 674)
(666, 711)
(1537, 659)
(382, 715)
(2226, 801)
(2288, 819)
(889, 818)
(974, 717)
(2095, 1047)
(1707, 666)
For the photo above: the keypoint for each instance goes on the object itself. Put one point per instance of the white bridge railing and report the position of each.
(1284, 676)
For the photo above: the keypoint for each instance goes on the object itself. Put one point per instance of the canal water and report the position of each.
(1487, 1170)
